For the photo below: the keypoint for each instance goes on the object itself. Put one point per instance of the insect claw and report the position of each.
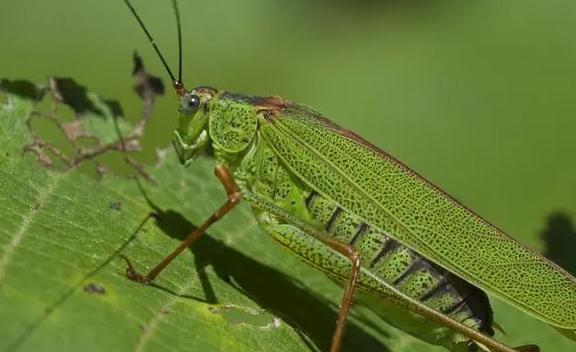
(132, 274)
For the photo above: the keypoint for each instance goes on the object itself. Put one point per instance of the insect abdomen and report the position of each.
(402, 267)
(382, 256)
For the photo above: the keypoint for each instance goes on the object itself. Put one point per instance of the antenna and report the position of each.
(177, 83)
(179, 27)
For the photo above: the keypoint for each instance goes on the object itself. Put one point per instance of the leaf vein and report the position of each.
(26, 222)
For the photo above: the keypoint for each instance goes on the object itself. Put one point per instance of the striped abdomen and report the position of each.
(386, 258)
(404, 268)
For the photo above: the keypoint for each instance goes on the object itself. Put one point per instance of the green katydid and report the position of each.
(365, 219)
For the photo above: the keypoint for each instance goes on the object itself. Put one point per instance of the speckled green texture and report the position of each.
(232, 125)
(386, 194)
(279, 197)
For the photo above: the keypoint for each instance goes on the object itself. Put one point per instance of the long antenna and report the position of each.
(177, 83)
(179, 27)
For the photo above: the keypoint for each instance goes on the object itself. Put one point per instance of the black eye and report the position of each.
(193, 102)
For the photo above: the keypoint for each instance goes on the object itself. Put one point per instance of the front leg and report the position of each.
(234, 197)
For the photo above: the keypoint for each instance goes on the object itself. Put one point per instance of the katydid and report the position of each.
(390, 237)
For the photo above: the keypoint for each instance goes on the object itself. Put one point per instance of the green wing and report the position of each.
(385, 193)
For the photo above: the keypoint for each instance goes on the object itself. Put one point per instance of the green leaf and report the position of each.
(62, 284)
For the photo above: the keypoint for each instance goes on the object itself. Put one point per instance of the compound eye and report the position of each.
(193, 102)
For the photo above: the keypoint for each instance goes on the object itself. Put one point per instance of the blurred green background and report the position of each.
(480, 97)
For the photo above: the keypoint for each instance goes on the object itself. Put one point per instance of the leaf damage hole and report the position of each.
(74, 126)
(235, 314)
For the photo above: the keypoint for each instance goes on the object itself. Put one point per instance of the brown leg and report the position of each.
(234, 197)
(351, 254)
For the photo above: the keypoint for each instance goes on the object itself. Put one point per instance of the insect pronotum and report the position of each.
(395, 241)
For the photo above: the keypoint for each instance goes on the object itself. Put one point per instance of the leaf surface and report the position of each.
(62, 285)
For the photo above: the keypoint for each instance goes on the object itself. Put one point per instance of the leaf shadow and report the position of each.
(313, 317)
(560, 238)
(71, 93)
(22, 88)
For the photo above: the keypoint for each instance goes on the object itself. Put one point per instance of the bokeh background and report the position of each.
(480, 97)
